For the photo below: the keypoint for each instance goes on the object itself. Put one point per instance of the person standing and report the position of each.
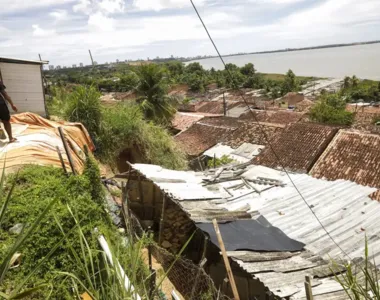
(4, 111)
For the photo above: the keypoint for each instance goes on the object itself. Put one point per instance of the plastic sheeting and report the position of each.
(37, 139)
(255, 235)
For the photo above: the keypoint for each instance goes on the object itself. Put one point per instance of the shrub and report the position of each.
(248, 70)
(35, 187)
(323, 112)
(124, 127)
(83, 105)
(196, 83)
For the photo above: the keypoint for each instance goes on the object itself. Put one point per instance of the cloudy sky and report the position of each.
(62, 31)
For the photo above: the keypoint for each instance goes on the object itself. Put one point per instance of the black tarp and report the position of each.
(254, 235)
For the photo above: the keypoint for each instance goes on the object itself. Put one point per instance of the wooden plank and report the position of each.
(308, 290)
(250, 256)
(61, 160)
(226, 261)
(67, 149)
(162, 220)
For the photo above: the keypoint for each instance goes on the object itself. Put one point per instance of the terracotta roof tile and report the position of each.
(298, 147)
(233, 132)
(277, 117)
(352, 156)
(200, 137)
(183, 121)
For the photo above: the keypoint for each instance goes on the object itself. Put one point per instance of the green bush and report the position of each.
(35, 187)
(331, 110)
(124, 128)
(196, 83)
(83, 105)
(224, 160)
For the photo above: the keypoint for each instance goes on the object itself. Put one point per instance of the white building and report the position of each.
(51, 67)
(81, 65)
(23, 80)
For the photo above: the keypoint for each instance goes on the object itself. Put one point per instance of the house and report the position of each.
(23, 79)
(351, 155)
(297, 147)
(271, 235)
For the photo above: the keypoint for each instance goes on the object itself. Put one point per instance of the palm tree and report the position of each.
(152, 90)
(346, 82)
(355, 81)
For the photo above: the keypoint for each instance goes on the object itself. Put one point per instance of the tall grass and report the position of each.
(361, 278)
(119, 128)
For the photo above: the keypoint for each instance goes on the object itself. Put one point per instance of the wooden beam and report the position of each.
(226, 261)
(308, 290)
(162, 220)
(61, 159)
(67, 150)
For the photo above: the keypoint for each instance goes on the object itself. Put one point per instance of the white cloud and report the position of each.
(83, 6)
(112, 6)
(39, 32)
(100, 22)
(22, 5)
(158, 5)
(59, 15)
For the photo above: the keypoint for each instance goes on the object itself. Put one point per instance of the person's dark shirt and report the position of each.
(2, 88)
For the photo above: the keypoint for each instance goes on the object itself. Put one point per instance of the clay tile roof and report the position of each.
(233, 132)
(183, 121)
(251, 132)
(215, 107)
(200, 137)
(352, 156)
(276, 117)
(298, 147)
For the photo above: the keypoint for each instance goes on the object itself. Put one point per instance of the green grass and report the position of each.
(281, 77)
(35, 187)
(118, 128)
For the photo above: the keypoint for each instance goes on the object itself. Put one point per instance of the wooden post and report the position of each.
(214, 161)
(67, 150)
(226, 261)
(201, 264)
(224, 105)
(61, 159)
(162, 220)
(308, 290)
(154, 202)
(141, 196)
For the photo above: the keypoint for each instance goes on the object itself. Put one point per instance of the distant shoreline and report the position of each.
(288, 50)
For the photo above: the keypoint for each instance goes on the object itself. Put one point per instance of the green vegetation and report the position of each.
(152, 92)
(224, 160)
(366, 90)
(124, 77)
(330, 109)
(361, 279)
(118, 128)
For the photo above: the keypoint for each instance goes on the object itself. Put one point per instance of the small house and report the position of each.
(23, 79)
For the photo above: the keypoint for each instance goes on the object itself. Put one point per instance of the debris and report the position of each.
(16, 229)
(166, 244)
(15, 260)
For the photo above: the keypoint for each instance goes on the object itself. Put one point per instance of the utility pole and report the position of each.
(92, 60)
(224, 105)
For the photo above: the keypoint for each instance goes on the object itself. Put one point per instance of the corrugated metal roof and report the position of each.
(17, 60)
(352, 156)
(298, 147)
(343, 207)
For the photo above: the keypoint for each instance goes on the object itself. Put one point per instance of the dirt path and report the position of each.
(166, 286)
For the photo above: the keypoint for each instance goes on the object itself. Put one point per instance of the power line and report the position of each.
(265, 134)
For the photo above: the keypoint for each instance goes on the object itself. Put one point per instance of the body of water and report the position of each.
(362, 61)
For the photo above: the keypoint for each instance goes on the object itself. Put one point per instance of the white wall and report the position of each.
(24, 84)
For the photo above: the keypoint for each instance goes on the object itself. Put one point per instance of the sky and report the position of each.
(62, 31)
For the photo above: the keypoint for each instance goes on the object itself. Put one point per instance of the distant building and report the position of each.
(117, 61)
(58, 67)
(74, 66)
(51, 67)
(81, 65)
(95, 63)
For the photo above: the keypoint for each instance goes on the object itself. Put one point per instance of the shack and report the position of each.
(264, 201)
(23, 79)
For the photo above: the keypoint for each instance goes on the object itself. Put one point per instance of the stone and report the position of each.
(166, 244)
(16, 229)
